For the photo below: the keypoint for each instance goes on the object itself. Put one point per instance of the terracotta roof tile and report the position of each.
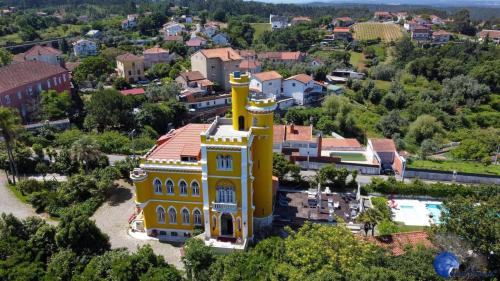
(383, 145)
(344, 19)
(185, 141)
(331, 143)
(281, 55)
(292, 133)
(174, 38)
(303, 78)
(128, 57)
(155, 50)
(249, 64)
(133, 92)
(266, 76)
(224, 54)
(341, 30)
(195, 42)
(22, 73)
(192, 76)
(440, 33)
(491, 33)
(397, 242)
(38, 50)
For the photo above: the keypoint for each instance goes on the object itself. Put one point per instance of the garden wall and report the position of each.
(450, 176)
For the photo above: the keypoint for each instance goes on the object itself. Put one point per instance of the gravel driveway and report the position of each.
(112, 219)
(10, 204)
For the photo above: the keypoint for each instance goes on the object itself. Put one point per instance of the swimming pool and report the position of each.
(417, 212)
(435, 211)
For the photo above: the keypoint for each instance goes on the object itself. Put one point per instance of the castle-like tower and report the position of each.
(216, 175)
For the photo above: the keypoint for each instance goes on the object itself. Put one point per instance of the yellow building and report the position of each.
(214, 176)
(130, 67)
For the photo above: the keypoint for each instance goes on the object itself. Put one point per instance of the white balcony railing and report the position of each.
(224, 207)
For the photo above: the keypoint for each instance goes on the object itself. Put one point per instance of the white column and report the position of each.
(204, 184)
(244, 191)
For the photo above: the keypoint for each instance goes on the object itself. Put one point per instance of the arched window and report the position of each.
(160, 214)
(225, 195)
(172, 215)
(183, 187)
(157, 186)
(197, 217)
(170, 187)
(195, 189)
(185, 216)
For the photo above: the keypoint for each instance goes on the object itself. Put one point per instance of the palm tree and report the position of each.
(10, 124)
(85, 150)
(370, 218)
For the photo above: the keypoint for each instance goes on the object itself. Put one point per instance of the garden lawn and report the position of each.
(410, 228)
(357, 60)
(350, 156)
(18, 194)
(382, 85)
(260, 28)
(459, 166)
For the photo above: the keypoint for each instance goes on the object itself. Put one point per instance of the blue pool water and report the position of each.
(435, 210)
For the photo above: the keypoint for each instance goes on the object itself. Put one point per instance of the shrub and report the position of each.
(387, 227)
(384, 72)
(67, 138)
(380, 203)
(29, 186)
(113, 142)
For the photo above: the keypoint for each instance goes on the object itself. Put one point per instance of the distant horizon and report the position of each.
(433, 3)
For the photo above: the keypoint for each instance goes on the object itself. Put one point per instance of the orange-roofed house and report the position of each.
(268, 82)
(251, 66)
(493, 35)
(342, 33)
(381, 151)
(300, 19)
(155, 55)
(41, 53)
(382, 16)
(282, 57)
(303, 89)
(343, 22)
(216, 64)
(130, 67)
(440, 37)
(294, 137)
(216, 178)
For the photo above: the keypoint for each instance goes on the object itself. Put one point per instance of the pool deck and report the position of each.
(413, 212)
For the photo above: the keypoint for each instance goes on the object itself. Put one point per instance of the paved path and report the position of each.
(112, 218)
(10, 204)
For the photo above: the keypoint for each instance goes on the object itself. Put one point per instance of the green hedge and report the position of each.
(417, 187)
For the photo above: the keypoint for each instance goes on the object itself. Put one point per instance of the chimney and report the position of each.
(320, 144)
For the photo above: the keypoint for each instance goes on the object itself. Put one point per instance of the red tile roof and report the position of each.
(224, 54)
(192, 76)
(491, 33)
(383, 145)
(266, 76)
(341, 30)
(343, 19)
(22, 73)
(174, 38)
(133, 92)
(440, 33)
(292, 133)
(397, 242)
(332, 144)
(185, 141)
(281, 55)
(303, 78)
(195, 42)
(155, 50)
(249, 64)
(38, 50)
(128, 57)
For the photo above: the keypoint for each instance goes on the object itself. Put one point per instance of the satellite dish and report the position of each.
(444, 264)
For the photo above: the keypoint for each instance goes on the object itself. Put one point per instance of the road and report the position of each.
(9, 203)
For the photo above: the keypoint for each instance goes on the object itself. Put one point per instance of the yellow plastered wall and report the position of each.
(263, 164)
(212, 163)
(145, 189)
(151, 221)
(239, 97)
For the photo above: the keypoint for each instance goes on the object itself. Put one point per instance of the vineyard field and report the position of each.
(373, 30)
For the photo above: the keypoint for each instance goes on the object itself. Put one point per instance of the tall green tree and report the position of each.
(10, 126)
(55, 105)
(107, 109)
(5, 57)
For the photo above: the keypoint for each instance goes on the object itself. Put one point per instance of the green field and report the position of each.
(349, 156)
(383, 85)
(260, 28)
(374, 30)
(459, 166)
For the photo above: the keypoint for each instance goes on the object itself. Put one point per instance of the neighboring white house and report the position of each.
(436, 20)
(220, 39)
(94, 33)
(84, 48)
(268, 82)
(130, 22)
(303, 89)
(278, 22)
(173, 28)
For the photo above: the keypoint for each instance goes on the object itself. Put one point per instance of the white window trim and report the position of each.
(154, 186)
(180, 189)
(173, 187)
(164, 214)
(199, 188)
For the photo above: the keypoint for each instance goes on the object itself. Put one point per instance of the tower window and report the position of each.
(224, 162)
(241, 123)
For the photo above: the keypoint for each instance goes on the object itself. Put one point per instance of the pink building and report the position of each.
(21, 84)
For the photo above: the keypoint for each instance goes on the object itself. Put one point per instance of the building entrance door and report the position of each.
(226, 222)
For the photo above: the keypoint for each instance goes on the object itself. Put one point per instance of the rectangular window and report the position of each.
(129, 72)
(19, 95)
(30, 90)
(173, 233)
(293, 84)
(55, 81)
(7, 99)
(64, 77)
(48, 84)
(40, 87)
